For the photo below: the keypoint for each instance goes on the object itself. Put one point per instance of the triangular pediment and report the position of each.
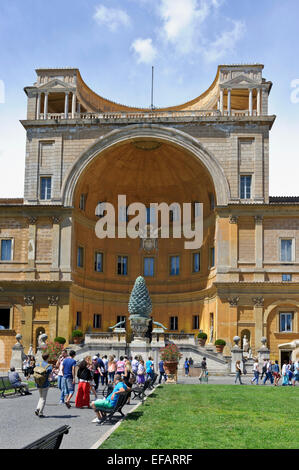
(240, 80)
(56, 85)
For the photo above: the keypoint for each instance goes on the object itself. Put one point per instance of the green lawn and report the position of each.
(212, 417)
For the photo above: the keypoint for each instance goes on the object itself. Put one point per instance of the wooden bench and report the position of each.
(121, 401)
(6, 386)
(139, 390)
(51, 440)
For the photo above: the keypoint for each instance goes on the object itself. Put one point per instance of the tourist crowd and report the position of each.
(117, 374)
(270, 371)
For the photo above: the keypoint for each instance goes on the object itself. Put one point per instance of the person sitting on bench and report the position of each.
(15, 380)
(107, 404)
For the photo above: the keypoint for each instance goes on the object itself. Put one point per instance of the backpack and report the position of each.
(40, 375)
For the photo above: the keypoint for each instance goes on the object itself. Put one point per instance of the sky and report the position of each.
(114, 43)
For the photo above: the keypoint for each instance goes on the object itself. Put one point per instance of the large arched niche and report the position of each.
(160, 135)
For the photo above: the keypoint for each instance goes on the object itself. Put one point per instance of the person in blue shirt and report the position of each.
(162, 372)
(69, 377)
(106, 404)
(186, 367)
(149, 366)
(43, 389)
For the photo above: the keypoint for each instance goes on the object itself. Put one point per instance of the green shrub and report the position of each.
(220, 342)
(77, 334)
(202, 335)
(60, 340)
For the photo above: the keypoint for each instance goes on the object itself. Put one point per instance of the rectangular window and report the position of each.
(45, 188)
(174, 265)
(6, 250)
(100, 209)
(174, 324)
(82, 202)
(121, 318)
(245, 187)
(80, 257)
(212, 257)
(123, 214)
(212, 201)
(196, 262)
(97, 321)
(98, 262)
(122, 265)
(286, 322)
(195, 322)
(286, 250)
(150, 215)
(287, 277)
(4, 319)
(78, 318)
(149, 266)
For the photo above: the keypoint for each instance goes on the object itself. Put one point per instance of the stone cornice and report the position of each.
(202, 120)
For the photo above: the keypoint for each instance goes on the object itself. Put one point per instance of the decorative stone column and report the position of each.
(28, 318)
(258, 104)
(53, 316)
(66, 105)
(237, 354)
(55, 248)
(18, 355)
(46, 105)
(221, 101)
(38, 106)
(259, 319)
(250, 102)
(73, 105)
(233, 315)
(229, 101)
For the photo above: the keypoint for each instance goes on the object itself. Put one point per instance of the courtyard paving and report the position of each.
(20, 426)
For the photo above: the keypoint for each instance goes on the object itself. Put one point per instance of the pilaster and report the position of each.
(53, 316)
(259, 319)
(28, 321)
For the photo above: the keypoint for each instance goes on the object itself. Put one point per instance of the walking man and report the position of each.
(256, 372)
(162, 371)
(69, 377)
(264, 369)
(269, 375)
(203, 368)
(43, 384)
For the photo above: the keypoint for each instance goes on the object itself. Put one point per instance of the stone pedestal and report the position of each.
(140, 348)
(263, 352)
(237, 354)
(18, 355)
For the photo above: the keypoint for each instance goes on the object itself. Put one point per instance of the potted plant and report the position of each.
(54, 350)
(170, 355)
(77, 336)
(220, 343)
(202, 338)
(60, 340)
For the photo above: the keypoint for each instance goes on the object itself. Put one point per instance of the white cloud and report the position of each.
(111, 17)
(225, 42)
(182, 21)
(144, 50)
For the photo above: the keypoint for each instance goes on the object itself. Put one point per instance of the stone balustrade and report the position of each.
(105, 338)
(146, 116)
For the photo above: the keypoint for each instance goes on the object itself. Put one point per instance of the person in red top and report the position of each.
(83, 394)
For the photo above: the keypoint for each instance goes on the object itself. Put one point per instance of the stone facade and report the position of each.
(89, 149)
